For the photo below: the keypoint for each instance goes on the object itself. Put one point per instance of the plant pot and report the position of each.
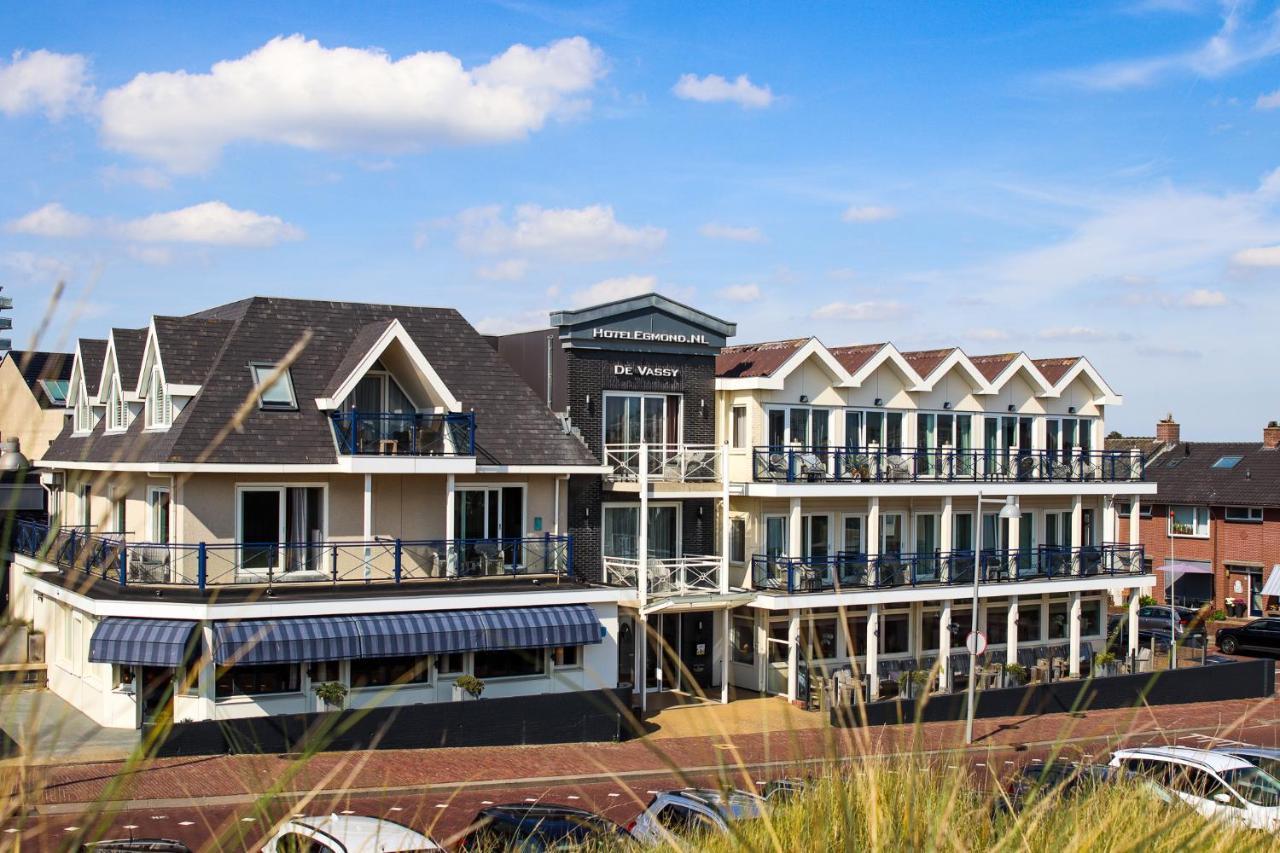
(460, 695)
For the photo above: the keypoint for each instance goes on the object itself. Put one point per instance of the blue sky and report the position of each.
(1063, 179)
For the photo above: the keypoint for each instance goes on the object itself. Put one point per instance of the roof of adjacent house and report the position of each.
(1184, 473)
(213, 350)
(991, 366)
(748, 360)
(130, 344)
(37, 367)
(1054, 369)
(926, 361)
(93, 354)
(853, 356)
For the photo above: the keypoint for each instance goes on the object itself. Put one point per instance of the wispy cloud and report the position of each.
(41, 81)
(611, 289)
(212, 223)
(1202, 298)
(1089, 334)
(869, 310)
(868, 213)
(585, 234)
(714, 88)
(735, 233)
(512, 269)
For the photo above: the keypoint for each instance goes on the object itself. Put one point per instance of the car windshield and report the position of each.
(1268, 763)
(1256, 786)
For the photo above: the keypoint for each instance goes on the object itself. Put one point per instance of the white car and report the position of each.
(691, 811)
(346, 834)
(1215, 784)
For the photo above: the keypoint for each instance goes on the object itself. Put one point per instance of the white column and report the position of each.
(642, 669)
(873, 528)
(944, 643)
(368, 525)
(948, 525)
(1135, 602)
(1014, 543)
(1135, 515)
(642, 540)
(450, 508)
(725, 528)
(726, 655)
(1073, 623)
(873, 650)
(793, 655)
(205, 680)
(1110, 523)
(1077, 529)
(794, 534)
(1011, 649)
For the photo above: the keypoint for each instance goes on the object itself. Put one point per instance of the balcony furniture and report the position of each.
(812, 467)
(897, 468)
(776, 465)
(388, 446)
(491, 559)
(148, 564)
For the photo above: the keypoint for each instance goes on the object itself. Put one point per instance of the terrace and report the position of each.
(669, 463)
(209, 566)
(851, 572)
(405, 434)
(674, 576)
(830, 464)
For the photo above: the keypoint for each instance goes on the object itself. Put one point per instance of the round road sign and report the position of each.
(976, 642)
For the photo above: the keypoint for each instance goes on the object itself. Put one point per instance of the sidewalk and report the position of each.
(49, 730)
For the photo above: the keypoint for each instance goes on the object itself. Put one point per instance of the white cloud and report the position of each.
(868, 213)
(512, 269)
(740, 292)
(212, 223)
(36, 268)
(713, 88)
(294, 91)
(736, 233)
(870, 310)
(52, 220)
(586, 234)
(522, 322)
(1258, 256)
(1237, 43)
(1201, 298)
(146, 177)
(612, 289)
(987, 334)
(1081, 333)
(54, 83)
(1160, 351)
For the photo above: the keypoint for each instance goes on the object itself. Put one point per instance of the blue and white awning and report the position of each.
(262, 641)
(140, 642)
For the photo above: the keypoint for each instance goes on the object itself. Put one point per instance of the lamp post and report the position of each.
(1173, 601)
(1008, 512)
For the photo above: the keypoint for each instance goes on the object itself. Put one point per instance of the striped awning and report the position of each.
(261, 641)
(140, 642)
(540, 627)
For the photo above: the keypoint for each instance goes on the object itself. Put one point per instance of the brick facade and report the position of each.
(1231, 547)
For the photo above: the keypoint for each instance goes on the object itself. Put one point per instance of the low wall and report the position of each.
(579, 717)
(1213, 683)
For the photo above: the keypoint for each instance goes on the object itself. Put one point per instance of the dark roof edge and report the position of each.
(647, 300)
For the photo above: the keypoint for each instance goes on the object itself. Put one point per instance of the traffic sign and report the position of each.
(976, 642)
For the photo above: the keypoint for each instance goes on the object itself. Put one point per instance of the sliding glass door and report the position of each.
(280, 528)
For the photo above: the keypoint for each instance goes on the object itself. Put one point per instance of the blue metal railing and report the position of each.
(411, 434)
(828, 464)
(221, 564)
(850, 571)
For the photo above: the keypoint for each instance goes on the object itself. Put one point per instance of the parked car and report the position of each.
(537, 826)
(1060, 777)
(1215, 784)
(780, 790)
(1263, 757)
(1188, 623)
(346, 834)
(689, 812)
(1260, 635)
(1118, 637)
(137, 845)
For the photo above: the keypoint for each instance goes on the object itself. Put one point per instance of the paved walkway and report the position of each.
(48, 730)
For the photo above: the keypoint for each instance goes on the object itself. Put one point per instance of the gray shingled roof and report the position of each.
(129, 346)
(1184, 474)
(93, 354)
(363, 340)
(35, 366)
(213, 349)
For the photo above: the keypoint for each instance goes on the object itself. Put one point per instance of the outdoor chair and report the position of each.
(148, 564)
(492, 559)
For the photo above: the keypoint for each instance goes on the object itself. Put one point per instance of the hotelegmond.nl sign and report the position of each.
(642, 336)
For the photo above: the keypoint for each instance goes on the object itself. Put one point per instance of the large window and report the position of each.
(510, 663)
(490, 513)
(382, 672)
(1068, 436)
(737, 540)
(743, 639)
(799, 426)
(158, 515)
(281, 527)
(818, 638)
(1058, 619)
(895, 633)
(622, 531)
(257, 680)
(1189, 521)
(739, 428)
(881, 431)
(635, 419)
(1248, 514)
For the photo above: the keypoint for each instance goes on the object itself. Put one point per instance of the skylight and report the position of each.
(273, 394)
(1228, 462)
(56, 389)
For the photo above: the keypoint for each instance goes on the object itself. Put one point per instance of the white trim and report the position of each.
(957, 358)
(888, 353)
(543, 469)
(395, 331)
(904, 596)
(1023, 362)
(921, 489)
(1105, 396)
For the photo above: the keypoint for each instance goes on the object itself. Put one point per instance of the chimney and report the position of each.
(1271, 435)
(1168, 431)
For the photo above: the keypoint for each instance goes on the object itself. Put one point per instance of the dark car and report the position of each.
(1260, 635)
(1187, 622)
(138, 845)
(1057, 777)
(538, 826)
(1118, 637)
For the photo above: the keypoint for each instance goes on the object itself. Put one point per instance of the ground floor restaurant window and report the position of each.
(510, 663)
(567, 657)
(383, 672)
(895, 634)
(744, 639)
(257, 680)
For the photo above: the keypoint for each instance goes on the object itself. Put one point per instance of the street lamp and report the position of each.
(1008, 512)
(11, 458)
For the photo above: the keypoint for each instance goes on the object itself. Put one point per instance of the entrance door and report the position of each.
(670, 651)
(626, 651)
(489, 514)
(696, 633)
(155, 695)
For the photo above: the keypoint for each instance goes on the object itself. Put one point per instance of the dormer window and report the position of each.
(274, 391)
(159, 406)
(82, 418)
(117, 408)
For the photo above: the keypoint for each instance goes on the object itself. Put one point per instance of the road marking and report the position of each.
(397, 808)
(130, 826)
(71, 829)
(186, 823)
(615, 795)
(573, 797)
(442, 806)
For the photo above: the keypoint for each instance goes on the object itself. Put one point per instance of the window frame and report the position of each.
(1247, 519)
(158, 406)
(738, 540)
(1195, 524)
(260, 390)
(738, 433)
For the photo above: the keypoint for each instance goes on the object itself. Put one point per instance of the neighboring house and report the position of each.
(388, 510)
(33, 397)
(1217, 518)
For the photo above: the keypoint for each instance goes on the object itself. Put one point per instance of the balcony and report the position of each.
(688, 575)
(829, 464)
(668, 463)
(208, 566)
(412, 434)
(854, 572)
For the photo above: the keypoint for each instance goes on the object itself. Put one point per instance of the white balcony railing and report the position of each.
(670, 463)
(673, 576)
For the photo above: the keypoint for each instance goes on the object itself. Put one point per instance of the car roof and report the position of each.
(364, 833)
(1217, 761)
(1255, 751)
(720, 801)
(531, 809)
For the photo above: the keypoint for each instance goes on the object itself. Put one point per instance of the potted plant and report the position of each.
(467, 687)
(1147, 601)
(1104, 663)
(332, 693)
(1015, 674)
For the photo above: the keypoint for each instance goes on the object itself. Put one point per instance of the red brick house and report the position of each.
(1216, 514)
